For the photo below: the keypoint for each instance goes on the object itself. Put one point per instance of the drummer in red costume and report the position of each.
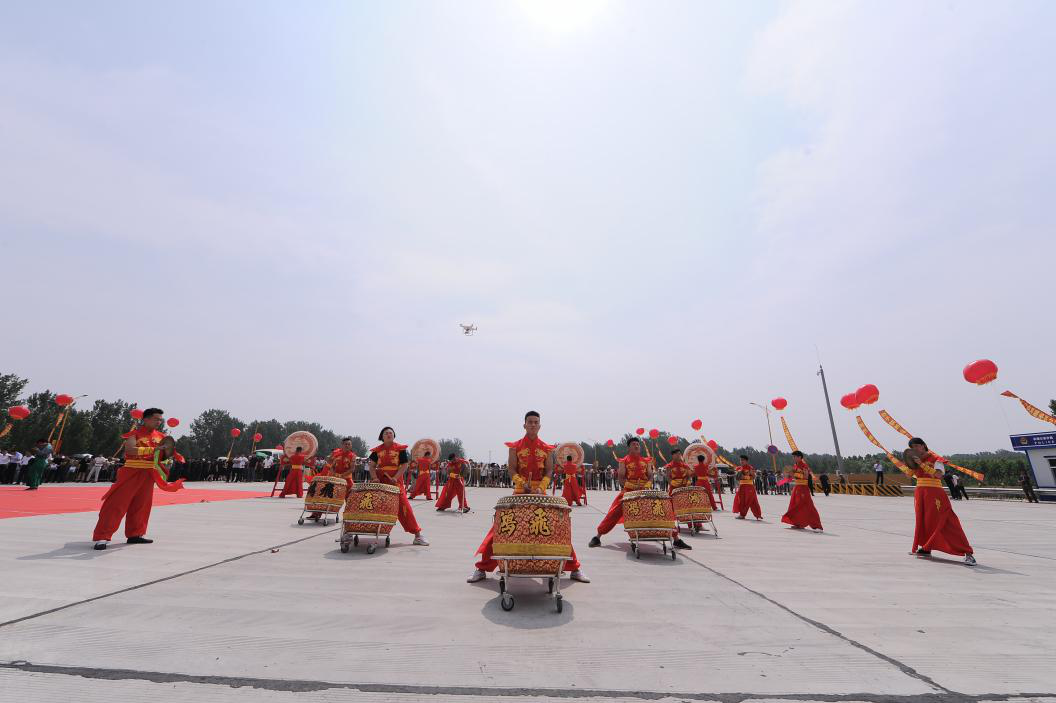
(801, 511)
(388, 464)
(422, 483)
(132, 494)
(937, 525)
(746, 498)
(571, 491)
(342, 464)
(455, 486)
(635, 474)
(295, 479)
(531, 467)
(704, 474)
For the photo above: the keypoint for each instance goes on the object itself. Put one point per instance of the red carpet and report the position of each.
(16, 501)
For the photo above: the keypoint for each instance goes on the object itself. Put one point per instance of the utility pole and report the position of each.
(832, 423)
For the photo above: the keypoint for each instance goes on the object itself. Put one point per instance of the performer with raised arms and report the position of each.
(937, 526)
(531, 467)
(746, 498)
(801, 511)
(388, 464)
(635, 473)
(132, 494)
(455, 486)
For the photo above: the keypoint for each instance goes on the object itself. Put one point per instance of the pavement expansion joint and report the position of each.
(298, 685)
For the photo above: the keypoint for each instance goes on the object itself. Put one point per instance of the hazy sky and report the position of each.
(653, 212)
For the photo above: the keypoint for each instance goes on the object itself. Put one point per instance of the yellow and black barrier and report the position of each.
(869, 489)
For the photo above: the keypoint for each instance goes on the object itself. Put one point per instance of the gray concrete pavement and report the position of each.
(210, 611)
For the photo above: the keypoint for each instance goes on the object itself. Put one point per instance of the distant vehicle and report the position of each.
(468, 330)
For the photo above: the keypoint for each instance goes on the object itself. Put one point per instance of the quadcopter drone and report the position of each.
(468, 330)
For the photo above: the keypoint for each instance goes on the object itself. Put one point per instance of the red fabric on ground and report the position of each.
(16, 501)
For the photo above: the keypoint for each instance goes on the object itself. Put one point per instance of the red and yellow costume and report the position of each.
(703, 474)
(678, 475)
(636, 478)
(937, 525)
(342, 463)
(572, 492)
(422, 483)
(132, 494)
(455, 486)
(746, 498)
(387, 460)
(801, 511)
(295, 479)
(530, 476)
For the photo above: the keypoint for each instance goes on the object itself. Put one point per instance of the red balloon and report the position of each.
(235, 432)
(713, 444)
(172, 421)
(696, 425)
(136, 413)
(779, 403)
(257, 437)
(609, 443)
(980, 372)
(640, 431)
(867, 394)
(672, 440)
(62, 400)
(18, 412)
(850, 401)
(654, 433)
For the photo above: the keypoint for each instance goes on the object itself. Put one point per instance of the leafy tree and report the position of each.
(211, 434)
(452, 446)
(11, 387)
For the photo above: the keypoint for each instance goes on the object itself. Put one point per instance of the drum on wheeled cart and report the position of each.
(648, 516)
(326, 495)
(533, 539)
(371, 510)
(692, 508)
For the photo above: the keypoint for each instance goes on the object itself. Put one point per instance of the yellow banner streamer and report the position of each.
(726, 461)
(872, 438)
(7, 428)
(788, 436)
(1035, 412)
(906, 433)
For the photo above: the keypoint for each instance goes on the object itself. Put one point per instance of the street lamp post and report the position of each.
(770, 432)
(832, 423)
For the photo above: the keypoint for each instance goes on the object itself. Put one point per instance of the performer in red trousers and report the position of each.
(746, 498)
(295, 479)
(703, 473)
(572, 493)
(388, 464)
(132, 494)
(634, 474)
(531, 467)
(937, 525)
(455, 486)
(801, 511)
(422, 483)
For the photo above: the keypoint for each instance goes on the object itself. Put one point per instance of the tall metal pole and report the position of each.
(770, 432)
(832, 423)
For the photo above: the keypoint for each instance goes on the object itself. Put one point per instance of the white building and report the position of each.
(1040, 448)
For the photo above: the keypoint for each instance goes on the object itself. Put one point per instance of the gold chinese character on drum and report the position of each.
(649, 516)
(371, 509)
(693, 507)
(533, 526)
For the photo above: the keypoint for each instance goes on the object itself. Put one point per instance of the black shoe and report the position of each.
(465, 510)
(595, 541)
(139, 540)
(681, 544)
(99, 545)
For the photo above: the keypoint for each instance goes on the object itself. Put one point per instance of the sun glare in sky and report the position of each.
(562, 16)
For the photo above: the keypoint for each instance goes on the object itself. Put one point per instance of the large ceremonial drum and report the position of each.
(371, 508)
(532, 525)
(326, 494)
(649, 514)
(691, 504)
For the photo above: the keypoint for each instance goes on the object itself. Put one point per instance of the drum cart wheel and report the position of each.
(507, 602)
(355, 540)
(386, 541)
(559, 601)
(552, 580)
(300, 521)
(371, 548)
(344, 547)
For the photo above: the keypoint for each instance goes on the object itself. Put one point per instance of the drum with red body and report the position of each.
(649, 514)
(370, 509)
(691, 504)
(532, 525)
(326, 494)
